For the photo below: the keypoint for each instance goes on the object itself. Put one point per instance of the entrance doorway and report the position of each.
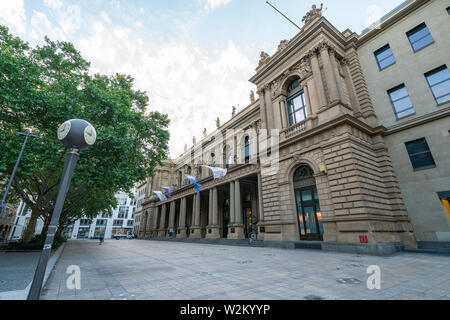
(225, 217)
(308, 207)
(249, 218)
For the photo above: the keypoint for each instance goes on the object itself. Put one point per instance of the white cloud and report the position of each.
(213, 4)
(13, 13)
(192, 86)
(41, 26)
(55, 4)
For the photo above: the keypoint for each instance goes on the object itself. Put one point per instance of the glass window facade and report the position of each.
(420, 154)
(401, 103)
(419, 37)
(384, 57)
(439, 82)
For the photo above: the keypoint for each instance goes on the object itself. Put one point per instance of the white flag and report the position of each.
(218, 172)
(160, 195)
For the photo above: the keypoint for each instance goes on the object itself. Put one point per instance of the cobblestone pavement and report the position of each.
(153, 270)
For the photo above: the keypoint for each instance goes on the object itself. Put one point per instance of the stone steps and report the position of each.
(229, 242)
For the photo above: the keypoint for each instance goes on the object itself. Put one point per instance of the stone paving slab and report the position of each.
(155, 270)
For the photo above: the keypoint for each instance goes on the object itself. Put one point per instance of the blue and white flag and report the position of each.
(218, 172)
(169, 191)
(160, 195)
(194, 182)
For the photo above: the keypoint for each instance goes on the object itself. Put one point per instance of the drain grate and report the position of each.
(348, 281)
(312, 297)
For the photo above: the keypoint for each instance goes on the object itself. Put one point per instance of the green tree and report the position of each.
(42, 87)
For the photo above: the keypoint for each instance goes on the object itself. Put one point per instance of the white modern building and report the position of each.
(107, 224)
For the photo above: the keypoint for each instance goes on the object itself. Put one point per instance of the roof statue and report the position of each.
(312, 14)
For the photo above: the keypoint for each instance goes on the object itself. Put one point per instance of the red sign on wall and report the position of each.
(363, 239)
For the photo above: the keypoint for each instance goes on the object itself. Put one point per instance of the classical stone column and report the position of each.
(313, 98)
(143, 225)
(210, 208)
(213, 230)
(148, 226)
(237, 228)
(230, 224)
(154, 232)
(162, 229)
(329, 73)
(262, 108)
(172, 217)
(318, 80)
(260, 208)
(182, 224)
(337, 76)
(196, 230)
(283, 112)
(269, 108)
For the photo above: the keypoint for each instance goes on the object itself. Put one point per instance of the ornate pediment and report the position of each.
(303, 68)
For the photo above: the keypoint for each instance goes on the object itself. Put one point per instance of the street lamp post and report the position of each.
(75, 135)
(26, 135)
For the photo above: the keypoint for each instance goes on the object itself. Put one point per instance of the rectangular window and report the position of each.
(130, 223)
(420, 154)
(419, 37)
(401, 103)
(85, 222)
(118, 223)
(384, 57)
(297, 109)
(448, 11)
(439, 82)
(101, 222)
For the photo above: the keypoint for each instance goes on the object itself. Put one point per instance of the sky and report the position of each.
(192, 57)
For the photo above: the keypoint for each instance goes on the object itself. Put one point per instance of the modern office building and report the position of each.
(106, 224)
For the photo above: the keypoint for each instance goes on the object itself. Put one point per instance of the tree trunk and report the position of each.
(45, 227)
(59, 230)
(31, 227)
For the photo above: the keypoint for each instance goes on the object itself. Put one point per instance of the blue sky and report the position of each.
(193, 57)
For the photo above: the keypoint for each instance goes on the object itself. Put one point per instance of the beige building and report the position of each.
(405, 62)
(307, 160)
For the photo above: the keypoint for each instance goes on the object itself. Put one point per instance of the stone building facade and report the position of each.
(307, 160)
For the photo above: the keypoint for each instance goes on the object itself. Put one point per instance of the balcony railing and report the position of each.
(295, 129)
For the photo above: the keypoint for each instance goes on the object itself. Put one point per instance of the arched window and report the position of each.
(296, 105)
(247, 149)
(304, 172)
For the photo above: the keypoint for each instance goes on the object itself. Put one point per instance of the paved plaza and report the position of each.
(17, 270)
(154, 270)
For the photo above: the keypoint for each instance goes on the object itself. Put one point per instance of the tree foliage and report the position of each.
(42, 87)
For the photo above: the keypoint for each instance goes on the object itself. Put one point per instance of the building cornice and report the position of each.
(414, 122)
(394, 17)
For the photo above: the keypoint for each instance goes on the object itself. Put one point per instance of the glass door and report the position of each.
(309, 215)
